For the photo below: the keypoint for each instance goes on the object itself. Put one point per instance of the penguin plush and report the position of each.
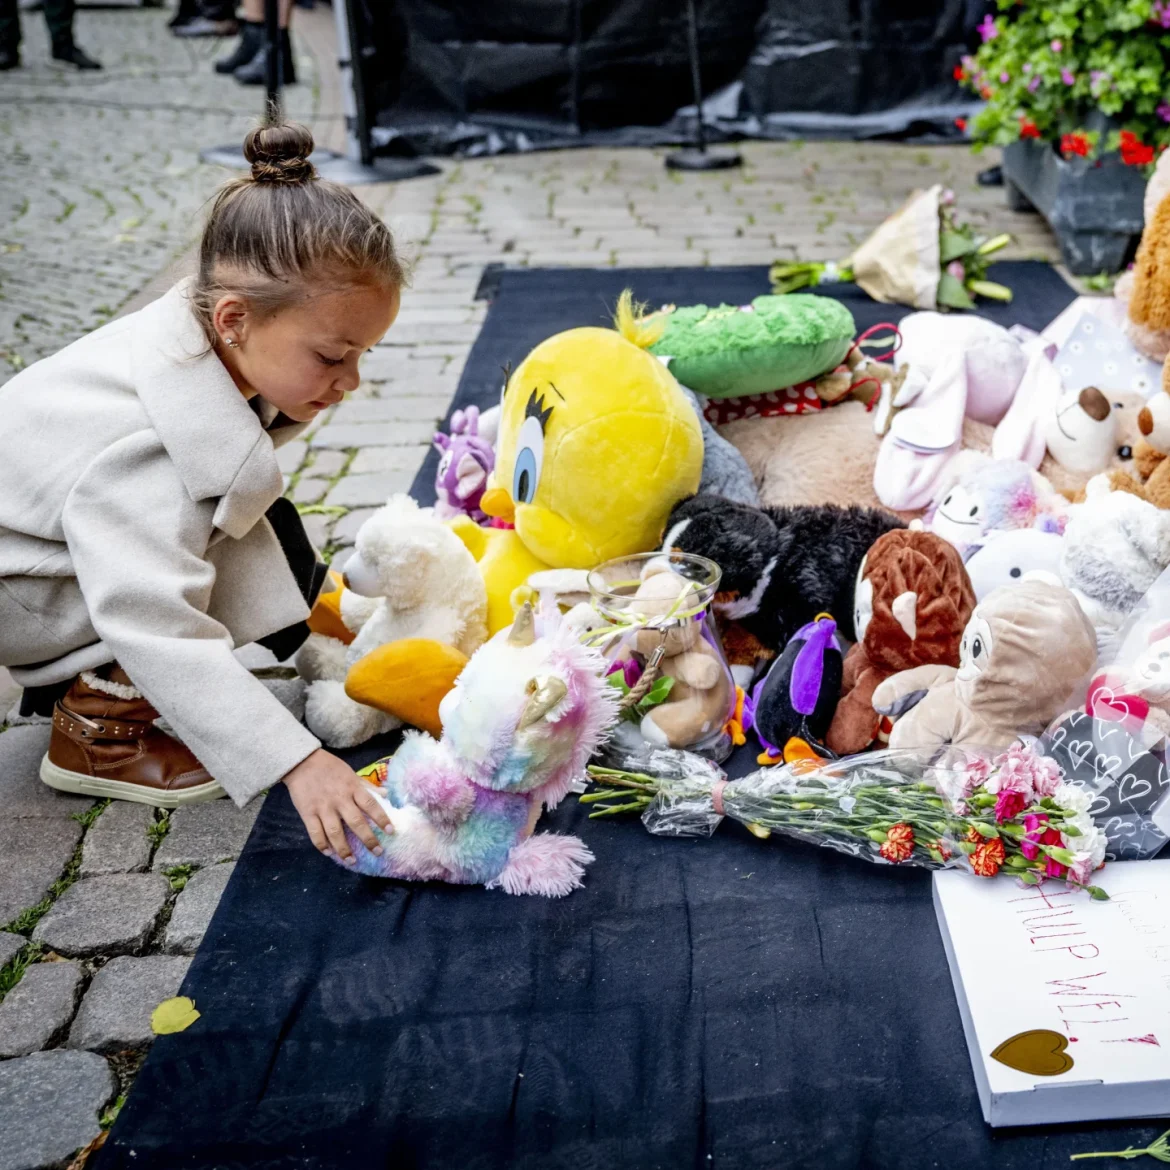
(796, 699)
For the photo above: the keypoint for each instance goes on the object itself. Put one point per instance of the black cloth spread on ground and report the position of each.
(704, 1004)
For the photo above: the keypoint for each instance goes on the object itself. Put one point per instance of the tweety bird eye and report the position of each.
(529, 459)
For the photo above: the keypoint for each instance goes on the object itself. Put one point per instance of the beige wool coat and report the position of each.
(134, 478)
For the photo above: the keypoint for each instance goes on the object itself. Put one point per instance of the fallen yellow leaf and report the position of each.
(173, 1015)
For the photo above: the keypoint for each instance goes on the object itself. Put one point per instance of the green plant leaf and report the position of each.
(955, 243)
(952, 294)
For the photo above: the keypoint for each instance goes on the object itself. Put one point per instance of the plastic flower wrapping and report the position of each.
(1012, 812)
(1114, 745)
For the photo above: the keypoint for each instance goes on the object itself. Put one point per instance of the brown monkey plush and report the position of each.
(913, 600)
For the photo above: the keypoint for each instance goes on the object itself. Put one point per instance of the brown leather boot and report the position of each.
(105, 743)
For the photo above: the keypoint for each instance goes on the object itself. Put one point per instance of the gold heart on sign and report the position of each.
(1040, 1052)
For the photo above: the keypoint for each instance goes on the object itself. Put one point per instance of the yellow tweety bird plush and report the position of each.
(596, 444)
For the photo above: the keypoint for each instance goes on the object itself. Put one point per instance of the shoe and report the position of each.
(251, 41)
(184, 14)
(256, 71)
(105, 743)
(72, 55)
(9, 59)
(205, 26)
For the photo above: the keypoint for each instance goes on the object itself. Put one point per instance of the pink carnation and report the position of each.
(1036, 825)
(1020, 769)
(1008, 804)
(1046, 777)
(977, 773)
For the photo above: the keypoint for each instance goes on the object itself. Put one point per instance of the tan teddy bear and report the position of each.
(700, 701)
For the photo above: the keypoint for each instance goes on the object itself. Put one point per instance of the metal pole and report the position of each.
(696, 81)
(358, 80)
(272, 73)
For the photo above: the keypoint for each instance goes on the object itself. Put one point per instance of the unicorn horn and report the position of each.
(523, 631)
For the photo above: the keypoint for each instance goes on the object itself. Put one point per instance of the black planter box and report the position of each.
(1095, 208)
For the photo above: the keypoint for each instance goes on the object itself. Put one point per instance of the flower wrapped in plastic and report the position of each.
(1005, 812)
(921, 256)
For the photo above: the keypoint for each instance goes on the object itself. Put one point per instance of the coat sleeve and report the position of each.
(138, 543)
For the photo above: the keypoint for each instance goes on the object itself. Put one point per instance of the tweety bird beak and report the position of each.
(498, 504)
(545, 694)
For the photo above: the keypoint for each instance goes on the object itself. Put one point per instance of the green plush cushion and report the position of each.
(727, 352)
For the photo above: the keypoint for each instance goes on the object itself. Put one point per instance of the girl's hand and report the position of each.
(329, 795)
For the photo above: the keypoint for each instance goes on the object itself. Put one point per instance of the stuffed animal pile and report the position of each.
(941, 547)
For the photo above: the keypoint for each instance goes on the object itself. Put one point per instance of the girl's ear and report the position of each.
(230, 318)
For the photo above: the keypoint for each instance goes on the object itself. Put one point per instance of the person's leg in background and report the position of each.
(59, 17)
(9, 35)
(205, 18)
(254, 70)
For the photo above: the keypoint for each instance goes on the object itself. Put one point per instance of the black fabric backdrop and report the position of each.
(715, 1003)
(483, 78)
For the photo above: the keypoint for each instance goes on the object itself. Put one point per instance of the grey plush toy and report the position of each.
(725, 471)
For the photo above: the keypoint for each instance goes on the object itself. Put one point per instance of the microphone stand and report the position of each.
(698, 157)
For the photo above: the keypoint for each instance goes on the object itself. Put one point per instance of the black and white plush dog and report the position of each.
(781, 566)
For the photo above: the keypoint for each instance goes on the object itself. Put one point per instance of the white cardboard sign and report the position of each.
(1065, 1001)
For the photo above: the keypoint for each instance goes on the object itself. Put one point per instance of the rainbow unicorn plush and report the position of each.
(519, 727)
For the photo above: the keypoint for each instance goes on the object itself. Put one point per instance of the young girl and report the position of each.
(142, 531)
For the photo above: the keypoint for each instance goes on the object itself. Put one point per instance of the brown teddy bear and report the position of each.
(1146, 290)
(1152, 479)
(913, 600)
(700, 701)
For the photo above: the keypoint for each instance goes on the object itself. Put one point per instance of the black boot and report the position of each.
(9, 59)
(72, 55)
(186, 12)
(256, 71)
(250, 43)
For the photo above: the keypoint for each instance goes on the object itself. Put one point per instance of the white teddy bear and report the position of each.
(409, 576)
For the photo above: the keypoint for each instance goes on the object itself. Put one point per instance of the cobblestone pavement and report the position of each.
(102, 905)
(101, 184)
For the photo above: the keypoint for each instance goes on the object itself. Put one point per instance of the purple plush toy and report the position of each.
(466, 463)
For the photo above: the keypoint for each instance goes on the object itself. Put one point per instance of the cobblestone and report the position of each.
(104, 915)
(33, 852)
(346, 529)
(49, 1104)
(356, 491)
(115, 1014)
(194, 908)
(117, 841)
(21, 792)
(203, 834)
(38, 1009)
(9, 945)
(102, 184)
(377, 434)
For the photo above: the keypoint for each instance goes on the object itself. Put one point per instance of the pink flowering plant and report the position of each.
(1053, 70)
(990, 813)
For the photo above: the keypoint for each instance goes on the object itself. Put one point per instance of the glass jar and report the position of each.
(659, 636)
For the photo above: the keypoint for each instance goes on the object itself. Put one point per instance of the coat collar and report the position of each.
(213, 436)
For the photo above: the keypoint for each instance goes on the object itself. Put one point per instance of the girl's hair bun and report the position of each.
(279, 153)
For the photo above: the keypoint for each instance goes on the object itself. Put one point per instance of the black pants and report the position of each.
(58, 16)
(308, 572)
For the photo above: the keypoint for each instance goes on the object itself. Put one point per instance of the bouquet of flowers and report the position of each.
(921, 256)
(1008, 813)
